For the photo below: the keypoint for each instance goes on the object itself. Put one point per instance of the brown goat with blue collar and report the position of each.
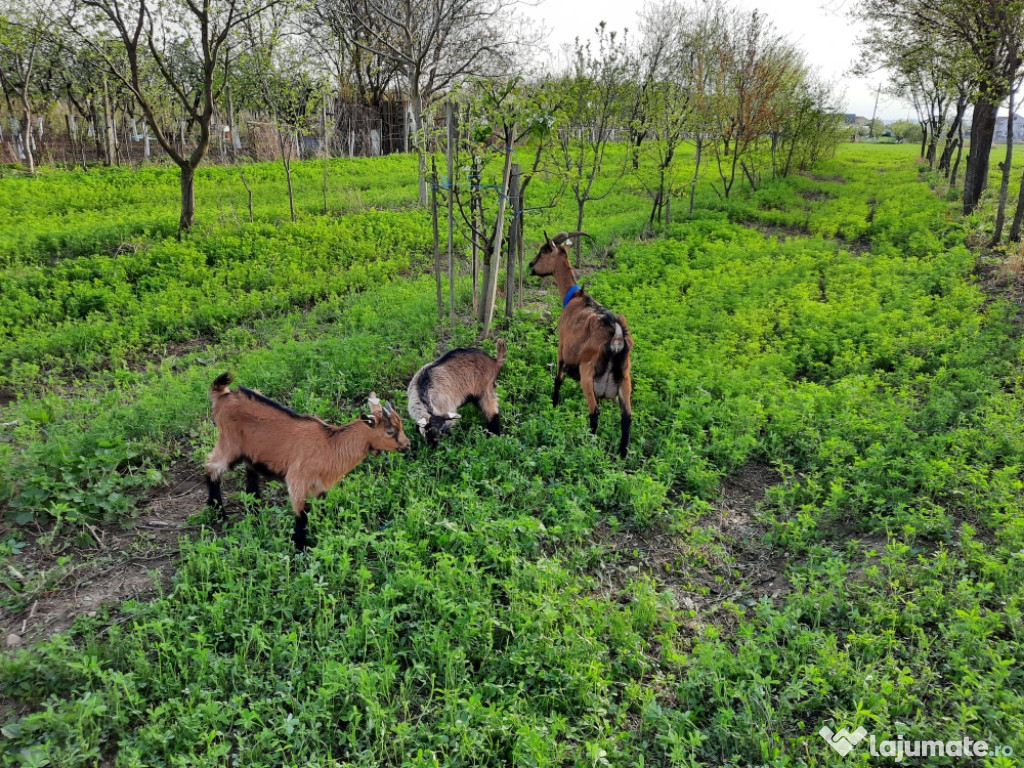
(306, 452)
(594, 345)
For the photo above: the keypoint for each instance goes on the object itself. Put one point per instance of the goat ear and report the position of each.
(421, 422)
(366, 418)
(374, 403)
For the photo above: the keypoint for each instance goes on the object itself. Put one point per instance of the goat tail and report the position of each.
(502, 352)
(618, 342)
(220, 384)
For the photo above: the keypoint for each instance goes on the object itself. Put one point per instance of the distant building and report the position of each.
(999, 135)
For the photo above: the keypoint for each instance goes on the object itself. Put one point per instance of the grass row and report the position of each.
(451, 612)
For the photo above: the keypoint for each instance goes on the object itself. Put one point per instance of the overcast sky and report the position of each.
(821, 29)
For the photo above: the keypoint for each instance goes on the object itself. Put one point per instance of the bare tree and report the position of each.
(25, 48)
(430, 44)
(181, 46)
(366, 75)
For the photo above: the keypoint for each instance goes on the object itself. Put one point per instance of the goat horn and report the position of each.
(387, 407)
(561, 237)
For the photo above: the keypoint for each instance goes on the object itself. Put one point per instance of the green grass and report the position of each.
(480, 604)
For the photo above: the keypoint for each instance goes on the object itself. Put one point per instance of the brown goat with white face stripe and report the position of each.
(306, 452)
(594, 344)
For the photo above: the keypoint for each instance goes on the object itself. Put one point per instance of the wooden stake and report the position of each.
(513, 240)
(437, 240)
(499, 229)
(449, 109)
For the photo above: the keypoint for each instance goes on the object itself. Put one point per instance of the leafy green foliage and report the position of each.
(479, 604)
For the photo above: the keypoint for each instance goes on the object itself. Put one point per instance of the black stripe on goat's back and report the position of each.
(286, 410)
(273, 404)
(608, 317)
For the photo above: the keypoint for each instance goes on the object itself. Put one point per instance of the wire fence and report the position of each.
(61, 136)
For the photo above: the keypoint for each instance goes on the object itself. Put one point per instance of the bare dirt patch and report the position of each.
(779, 232)
(1001, 277)
(817, 195)
(820, 177)
(857, 246)
(723, 558)
(125, 563)
(171, 352)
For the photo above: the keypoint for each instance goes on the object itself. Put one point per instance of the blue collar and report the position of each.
(572, 292)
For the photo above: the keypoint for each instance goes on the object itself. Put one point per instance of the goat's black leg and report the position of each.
(625, 397)
(627, 428)
(587, 384)
(214, 498)
(559, 375)
(252, 480)
(300, 536)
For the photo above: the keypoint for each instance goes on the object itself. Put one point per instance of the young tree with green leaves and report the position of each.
(184, 47)
(591, 116)
(982, 38)
(664, 103)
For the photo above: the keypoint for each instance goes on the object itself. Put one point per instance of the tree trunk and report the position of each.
(477, 226)
(696, 172)
(1004, 183)
(655, 210)
(1015, 229)
(97, 135)
(513, 240)
(109, 150)
(419, 140)
(26, 132)
(437, 247)
(499, 228)
(959, 154)
(231, 125)
(947, 152)
(188, 198)
(579, 240)
(933, 143)
(976, 175)
(450, 120)
(1018, 216)
(248, 189)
